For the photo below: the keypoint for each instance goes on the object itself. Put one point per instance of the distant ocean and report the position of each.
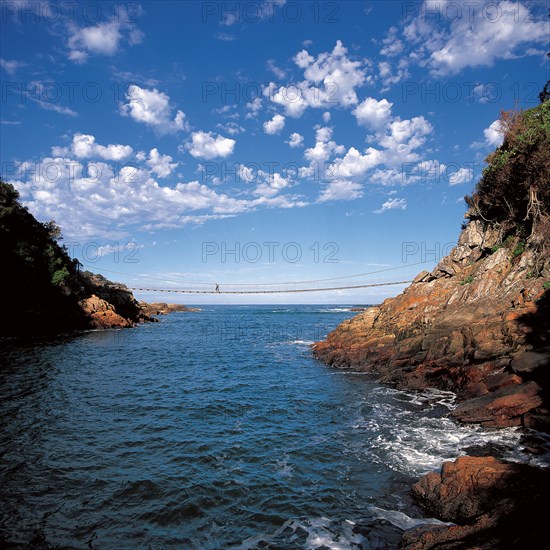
(213, 430)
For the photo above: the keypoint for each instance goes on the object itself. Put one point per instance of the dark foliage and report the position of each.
(38, 279)
(514, 190)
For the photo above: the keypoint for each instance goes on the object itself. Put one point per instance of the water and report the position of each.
(213, 430)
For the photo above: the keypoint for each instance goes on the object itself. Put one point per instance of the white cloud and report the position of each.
(406, 135)
(389, 76)
(330, 81)
(94, 199)
(392, 45)
(207, 145)
(277, 71)
(372, 113)
(152, 108)
(254, 107)
(296, 140)
(231, 128)
(324, 147)
(275, 125)
(492, 30)
(355, 164)
(36, 91)
(272, 184)
(161, 165)
(341, 190)
(84, 146)
(10, 66)
(494, 134)
(245, 173)
(326, 117)
(102, 39)
(462, 175)
(392, 204)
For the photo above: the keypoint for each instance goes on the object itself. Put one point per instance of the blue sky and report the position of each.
(315, 139)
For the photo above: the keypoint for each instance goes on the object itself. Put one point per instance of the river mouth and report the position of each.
(215, 430)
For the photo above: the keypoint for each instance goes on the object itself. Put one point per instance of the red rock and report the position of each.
(495, 504)
(458, 328)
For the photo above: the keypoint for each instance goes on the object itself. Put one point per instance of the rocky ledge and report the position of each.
(477, 325)
(162, 308)
(112, 305)
(493, 504)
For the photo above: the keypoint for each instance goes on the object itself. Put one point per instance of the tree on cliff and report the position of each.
(38, 277)
(513, 193)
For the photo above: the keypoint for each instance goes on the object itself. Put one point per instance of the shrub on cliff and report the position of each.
(514, 190)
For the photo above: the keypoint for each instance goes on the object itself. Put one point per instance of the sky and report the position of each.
(184, 144)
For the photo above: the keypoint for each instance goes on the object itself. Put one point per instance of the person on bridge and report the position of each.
(217, 288)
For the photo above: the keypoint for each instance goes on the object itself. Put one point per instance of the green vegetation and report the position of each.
(520, 249)
(38, 276)
(513, 193)
(469, 279)
(546, 285)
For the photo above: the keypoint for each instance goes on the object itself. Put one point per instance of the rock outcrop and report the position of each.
(478, 325)
(109, 305)
(494, 504)
(162, 308)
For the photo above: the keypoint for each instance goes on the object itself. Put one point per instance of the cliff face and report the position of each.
(477, 325)
(109, 305)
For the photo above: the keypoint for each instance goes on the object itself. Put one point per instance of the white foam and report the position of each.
(302, 342)
(403, 521)
(410, 441)
(310, 534)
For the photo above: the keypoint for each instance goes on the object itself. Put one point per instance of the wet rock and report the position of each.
(503, 407)
(495, 504)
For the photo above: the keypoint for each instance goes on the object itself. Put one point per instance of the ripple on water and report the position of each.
(216, 430)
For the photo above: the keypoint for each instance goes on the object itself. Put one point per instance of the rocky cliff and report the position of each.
(477, 325)
(109, 305)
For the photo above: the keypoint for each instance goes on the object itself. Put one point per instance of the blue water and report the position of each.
(212, 430)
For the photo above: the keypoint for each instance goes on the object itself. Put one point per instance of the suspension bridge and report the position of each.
(268, 291)
(333, 284)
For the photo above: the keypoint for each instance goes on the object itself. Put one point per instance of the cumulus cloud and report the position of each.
(354, 163)
(492, 30)
(392, 204)
(84, 146)
(296, 140)
(494, 134)
(372, 113)
(275, 125)
(152, 108)
(206, 145)
(104, 38)
(324, 147)
(399, 139)
(94, 199)
(254, 107)
(272, 184)
(161, 165)
(330, 80)
(341, 190)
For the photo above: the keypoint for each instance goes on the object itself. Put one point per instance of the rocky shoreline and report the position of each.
(477, 325)
(112, 305)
